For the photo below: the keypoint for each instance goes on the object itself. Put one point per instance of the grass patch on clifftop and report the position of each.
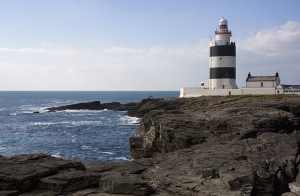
(271, 97)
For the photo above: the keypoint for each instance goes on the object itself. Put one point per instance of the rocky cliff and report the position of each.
(238, 145)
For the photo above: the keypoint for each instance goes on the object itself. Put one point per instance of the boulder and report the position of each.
(295, 187)
(22, 172)
(68, 181)
(130, 184)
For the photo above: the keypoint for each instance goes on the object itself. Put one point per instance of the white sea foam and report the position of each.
(107, 152)
(43, 123)
(48, 123)
(84, 111)
(80, 123)
(122, 158)
(31, 110)
(56, 155)
(27, 112)
(86, 147)
(43, 110)
(73, 123)
(128, 120)
(54, 101)
(25, 106)
(67, 133)
(13, 114)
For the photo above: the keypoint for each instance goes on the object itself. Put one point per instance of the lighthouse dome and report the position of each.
(223, 21)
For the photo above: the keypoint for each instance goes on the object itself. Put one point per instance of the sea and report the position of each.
(86, 135)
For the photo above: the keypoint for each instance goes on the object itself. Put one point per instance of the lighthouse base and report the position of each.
(222, 84)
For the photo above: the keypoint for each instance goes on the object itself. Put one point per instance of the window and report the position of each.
(223, 26)
(261, 84)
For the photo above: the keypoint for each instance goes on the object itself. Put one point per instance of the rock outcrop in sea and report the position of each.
(226, 146)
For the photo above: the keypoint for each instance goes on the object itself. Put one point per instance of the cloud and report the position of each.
(41, 51)
(121, 50)
(270, 50)
(276, 41)
(154, 68)
(117, 68)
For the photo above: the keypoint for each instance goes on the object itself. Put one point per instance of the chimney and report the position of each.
(249, 75)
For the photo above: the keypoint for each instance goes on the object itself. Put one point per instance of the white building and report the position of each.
(262, 81)
(288, 89)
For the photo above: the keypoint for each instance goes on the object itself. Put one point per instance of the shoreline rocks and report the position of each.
(229, 146)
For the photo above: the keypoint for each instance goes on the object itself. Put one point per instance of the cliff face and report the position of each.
(248, 145)
(227, 146)
(172, 124)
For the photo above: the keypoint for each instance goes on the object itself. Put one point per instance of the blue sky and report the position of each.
(140, 45)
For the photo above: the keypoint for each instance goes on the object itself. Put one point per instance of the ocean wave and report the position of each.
(2, 148)
(54, 101)
(47, 123)
(122, 158)
(43, 110)
(72, 123)
(34, 110)
(25, 106)
(85, 111)
(86, 147)
(43, 123)
(81, 123)
(56, 155)
(107, 153)
(128, 120)
(73, 136)
(67, 133)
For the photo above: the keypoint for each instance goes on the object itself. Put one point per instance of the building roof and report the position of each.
(287, 86)
(261, 78)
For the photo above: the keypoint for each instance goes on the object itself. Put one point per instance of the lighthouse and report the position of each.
(222, 60)
(222, 73)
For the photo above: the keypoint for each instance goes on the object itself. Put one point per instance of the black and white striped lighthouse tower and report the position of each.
(222, 65)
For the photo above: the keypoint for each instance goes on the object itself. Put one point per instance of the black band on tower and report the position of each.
(224, 50)
(222, 72)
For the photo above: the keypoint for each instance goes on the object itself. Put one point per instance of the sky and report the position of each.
(134, 45)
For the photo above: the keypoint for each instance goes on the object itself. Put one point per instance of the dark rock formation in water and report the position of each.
(226, 146)
(95, 105)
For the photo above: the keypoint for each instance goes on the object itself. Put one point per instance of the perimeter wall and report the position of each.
(198, 91)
